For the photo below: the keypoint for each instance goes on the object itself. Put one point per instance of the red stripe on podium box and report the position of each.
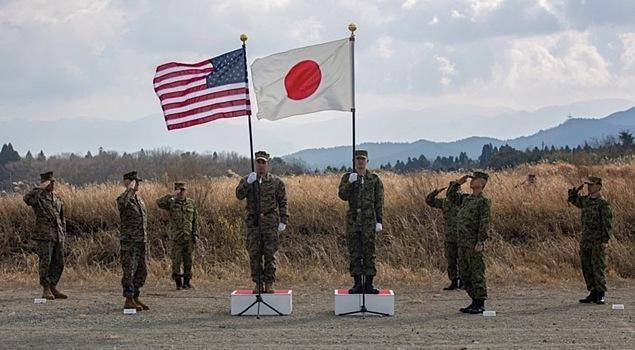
(280, 299)
(384, 302)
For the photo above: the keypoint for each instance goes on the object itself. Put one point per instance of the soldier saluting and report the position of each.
(364, 192)
(596, 232)
(49, 234)
(132, 212)
(266, 195)
(183, 232)
(472, 226)
(449, 210)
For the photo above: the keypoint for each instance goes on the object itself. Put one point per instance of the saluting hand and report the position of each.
(463, 179)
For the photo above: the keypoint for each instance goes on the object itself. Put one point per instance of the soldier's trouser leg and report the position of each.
(452, 258)
(255, 255)
(177, 258)
(134, 268)
(361, 252)
(188, 249)
(369, 252)
(476, 271)
(593, 261)
(270, 247)
(51, 262)
(354, 252)
(464, 269)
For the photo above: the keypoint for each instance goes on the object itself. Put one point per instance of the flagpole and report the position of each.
(243, 38)
(352, 27)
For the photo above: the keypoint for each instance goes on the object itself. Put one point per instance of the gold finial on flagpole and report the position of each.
(352, 27)
(243, 37)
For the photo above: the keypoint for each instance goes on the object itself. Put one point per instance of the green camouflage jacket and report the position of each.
(473, 217)
(183, 217)
(596, 217)
(50, 224)
(365, 196)
(449, 211)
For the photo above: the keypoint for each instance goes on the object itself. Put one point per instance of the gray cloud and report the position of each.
(71, 58)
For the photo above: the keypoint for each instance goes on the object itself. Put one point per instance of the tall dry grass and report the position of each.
(534, 231)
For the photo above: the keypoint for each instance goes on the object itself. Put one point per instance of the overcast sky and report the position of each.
(96, 59)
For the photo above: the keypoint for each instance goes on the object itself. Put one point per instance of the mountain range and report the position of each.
(390, 133)
(573, 132)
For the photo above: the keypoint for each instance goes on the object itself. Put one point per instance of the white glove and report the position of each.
(352, 178)
(251, 178)
(378, 227)
(282, 227)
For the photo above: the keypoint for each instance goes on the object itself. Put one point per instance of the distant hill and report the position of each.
(397, 124)
(573, 132)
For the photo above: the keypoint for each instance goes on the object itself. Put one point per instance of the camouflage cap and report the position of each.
(179, 186)
(480, 175)
(262, 155)
(47, 176)
(361, 153)
(593, 180)
(132, 176)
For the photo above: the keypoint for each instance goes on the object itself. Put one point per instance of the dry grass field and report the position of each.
(534, 233)
(532, 267)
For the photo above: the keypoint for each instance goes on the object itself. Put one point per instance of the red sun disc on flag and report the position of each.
(302, 80)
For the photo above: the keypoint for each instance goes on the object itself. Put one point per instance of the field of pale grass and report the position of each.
(533, 239)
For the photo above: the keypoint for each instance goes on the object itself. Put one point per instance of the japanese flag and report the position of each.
(304, 80)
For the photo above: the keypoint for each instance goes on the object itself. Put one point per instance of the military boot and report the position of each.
(453, 285)
(268, 288)
(186, 283)
(599, 298)
(46, 294)
(140, 303)
(589, 299)
(357, 287)
(130, 304)
(57, 294)
(465, 309)
(368, 286)
(477, 308)
(179, 283)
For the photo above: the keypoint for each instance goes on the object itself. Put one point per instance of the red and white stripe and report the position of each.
(187, 101)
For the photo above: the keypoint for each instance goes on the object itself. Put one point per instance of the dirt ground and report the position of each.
(544, 316)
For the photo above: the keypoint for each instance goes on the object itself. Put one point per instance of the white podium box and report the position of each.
(280, 299)
(383, 302)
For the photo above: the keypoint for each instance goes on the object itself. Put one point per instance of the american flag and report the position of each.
(193, 94)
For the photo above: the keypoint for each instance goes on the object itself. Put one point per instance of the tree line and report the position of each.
(108, 166)
(505, 156)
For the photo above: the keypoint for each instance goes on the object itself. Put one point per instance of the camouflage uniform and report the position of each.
(365, 199)
(449, 219)
(272, 202)
(472, 225)
(182, 233)
(49, 233)
(596, 228)
(132, 212)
